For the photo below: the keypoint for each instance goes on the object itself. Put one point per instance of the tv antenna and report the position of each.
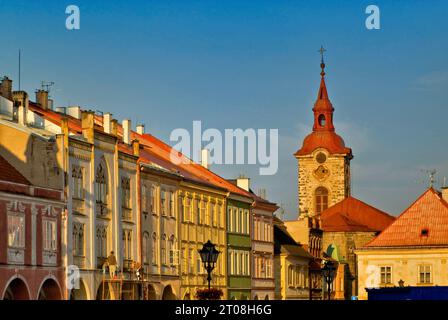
(46, 85)
(431, 176)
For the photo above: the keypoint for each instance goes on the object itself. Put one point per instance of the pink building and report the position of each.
(30, 239)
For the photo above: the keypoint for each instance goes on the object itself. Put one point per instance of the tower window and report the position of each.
(321, 120)
(321, 199)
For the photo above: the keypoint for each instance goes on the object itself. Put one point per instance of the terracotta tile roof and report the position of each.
(10, 174)
(424, 223)
(153, 151)
(352, 214)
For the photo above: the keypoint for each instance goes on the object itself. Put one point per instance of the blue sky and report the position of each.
(254, 64)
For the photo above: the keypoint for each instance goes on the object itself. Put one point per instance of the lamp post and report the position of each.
(328, 271)
(209, 256)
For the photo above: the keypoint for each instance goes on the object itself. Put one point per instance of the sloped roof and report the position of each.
(429, 212)
(10, 174)
(352, 214)
(153, 151)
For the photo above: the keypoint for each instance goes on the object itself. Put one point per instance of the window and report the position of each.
(163, 202)
(236, 221)
(197, 208)
(125, 193)
(78, 239)
(101, 238)
(186, 210)
(290, 276)
(16, 231)
(152, 200)
(50, 235)
(321, 199)
(78, 183)
(184, 261)
(386, 275)
(321, 120)
(247, 217)
(163, 250)
(101, 185)
(209, 214)
(268, 262)
(424, 272)
(191, 266)
(241, 221)
(144, 199)
(172, 248)
(214, 214)
(127, 244)
(204, 212)
(145, 246)
(171, 197)
(154, 248)
(230, 219)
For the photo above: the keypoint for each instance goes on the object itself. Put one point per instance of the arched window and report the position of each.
(101, 184)
(145, 246)
(321, 120)
(321, 199)
(172, 247)
(163, 249)
(154, 248)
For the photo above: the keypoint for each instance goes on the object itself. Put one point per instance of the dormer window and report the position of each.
(321, 120)
(424, 232)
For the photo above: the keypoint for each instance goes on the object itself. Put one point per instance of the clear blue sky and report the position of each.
(254, 64)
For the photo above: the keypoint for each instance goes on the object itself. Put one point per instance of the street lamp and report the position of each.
(209, 256)
(328, 272)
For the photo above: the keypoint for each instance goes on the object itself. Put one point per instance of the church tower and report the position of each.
(323, 160)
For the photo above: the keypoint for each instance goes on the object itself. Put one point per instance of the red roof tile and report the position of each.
(352, 214)
(10, 174)
(429, 212)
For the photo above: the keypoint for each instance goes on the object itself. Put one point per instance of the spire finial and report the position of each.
(322, 64)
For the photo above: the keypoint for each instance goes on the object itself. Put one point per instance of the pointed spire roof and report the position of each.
(424, 223)
(323, 135)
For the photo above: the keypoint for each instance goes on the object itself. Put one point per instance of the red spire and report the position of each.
(323, 109)
(323, 135)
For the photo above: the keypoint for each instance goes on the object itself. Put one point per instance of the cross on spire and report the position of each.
(322, 64)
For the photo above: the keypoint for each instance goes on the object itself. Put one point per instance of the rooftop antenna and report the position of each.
(20, 54)
(432, 176)
(46, 85)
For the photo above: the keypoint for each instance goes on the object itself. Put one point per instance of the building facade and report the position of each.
(412, 251)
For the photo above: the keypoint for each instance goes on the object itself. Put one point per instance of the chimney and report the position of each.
(87, 123)
(126, 131)
(113, 127)
(6, 88)
(141, 129)
(21, 102)
(205, 158)
(136, 147)
(74, 111)
(445, 193)
(106, 122)
(62, 110)
(42, 98)
(243, 183)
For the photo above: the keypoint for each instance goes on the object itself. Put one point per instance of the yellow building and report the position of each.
(413, 250)
(291, 266)
(202, 209)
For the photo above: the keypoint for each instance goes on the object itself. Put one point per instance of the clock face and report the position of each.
(321, 157)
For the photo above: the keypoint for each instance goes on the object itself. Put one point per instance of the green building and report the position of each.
(238, 247)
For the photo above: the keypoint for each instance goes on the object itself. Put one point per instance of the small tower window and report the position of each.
(321, 199)
(321, 120)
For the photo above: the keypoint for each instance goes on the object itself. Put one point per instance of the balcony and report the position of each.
(126, 214)
(79, 261)
(102, 210)
(78, 206)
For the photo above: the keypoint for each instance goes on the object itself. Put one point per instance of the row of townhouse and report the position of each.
(121, 192)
